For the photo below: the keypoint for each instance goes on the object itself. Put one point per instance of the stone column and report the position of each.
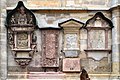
(116, 40)
(3, 41)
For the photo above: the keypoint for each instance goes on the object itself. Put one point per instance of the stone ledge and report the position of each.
(104, 75)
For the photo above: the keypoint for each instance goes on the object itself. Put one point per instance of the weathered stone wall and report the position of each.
(51, 19)
(83, 4)
(3, 41)
(48, 18)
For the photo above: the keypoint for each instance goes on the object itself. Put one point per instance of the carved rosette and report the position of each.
(21, 24)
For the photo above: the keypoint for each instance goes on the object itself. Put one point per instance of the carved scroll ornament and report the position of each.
(21, 34)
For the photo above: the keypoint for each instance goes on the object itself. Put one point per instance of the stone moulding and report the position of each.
(71, 31)
(98, 28)
(50, 48)
(21, 24)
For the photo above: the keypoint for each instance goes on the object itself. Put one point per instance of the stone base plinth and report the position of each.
(36, 76)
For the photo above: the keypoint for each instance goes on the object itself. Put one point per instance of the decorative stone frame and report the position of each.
(98, 23)
(50, 48)
(21, 24)
(98, 27)
(71, 30)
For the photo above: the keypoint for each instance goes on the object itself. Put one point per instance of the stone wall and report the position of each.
(83, 4)
(50, 18)
(3, 41)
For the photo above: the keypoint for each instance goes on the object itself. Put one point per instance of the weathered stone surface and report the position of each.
(96, 66)
(66, 3)
(71, 65)
(72, 53)
(50, 48)
(116, 40)
(47, 17)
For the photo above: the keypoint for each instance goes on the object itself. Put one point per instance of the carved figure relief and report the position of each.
(21, 24)
(22, 17)
(50, 48)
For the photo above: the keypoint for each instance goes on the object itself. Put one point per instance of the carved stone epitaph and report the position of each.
(71, 65)
(98, 51)
(21, 26)
(50, 48)
(71, 33)
(98, 27)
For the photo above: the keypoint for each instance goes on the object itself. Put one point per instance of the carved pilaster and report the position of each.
(116, 40)
(71, 37)
(21, 25)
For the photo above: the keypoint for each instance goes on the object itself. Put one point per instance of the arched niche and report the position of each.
(21, 24)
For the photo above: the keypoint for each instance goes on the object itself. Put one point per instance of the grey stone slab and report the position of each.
(71, 53)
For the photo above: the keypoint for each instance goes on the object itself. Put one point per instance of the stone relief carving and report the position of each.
(50, 48)
(71, 37)
(71, 41)
(21, 17)
(21, 26)
(98, 27)
(96, 39)
(71, 65)
(22, 40)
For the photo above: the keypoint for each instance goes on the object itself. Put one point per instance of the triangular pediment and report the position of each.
(71, 23)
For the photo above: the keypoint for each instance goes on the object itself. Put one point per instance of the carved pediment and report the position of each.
(99, 20)
(20, 16)
(71, 23)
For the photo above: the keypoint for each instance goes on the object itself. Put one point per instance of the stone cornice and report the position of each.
(68, 8)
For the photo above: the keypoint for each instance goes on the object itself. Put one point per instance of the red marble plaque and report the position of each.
(71, 65)
(50, 48)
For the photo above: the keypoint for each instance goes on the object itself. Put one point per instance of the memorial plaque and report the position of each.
(71, 41)
(50, 48)
(96, 39)
(71, 65)
(21, 24)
